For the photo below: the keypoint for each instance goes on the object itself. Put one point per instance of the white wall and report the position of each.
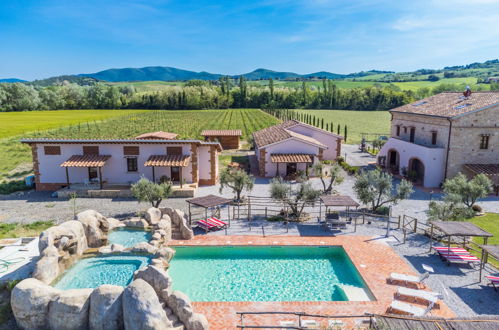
(115, 170)
(204, 162)
(292, 146)
(432, 158)
(329, 140)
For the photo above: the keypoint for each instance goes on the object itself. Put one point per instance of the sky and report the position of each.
(41, 39)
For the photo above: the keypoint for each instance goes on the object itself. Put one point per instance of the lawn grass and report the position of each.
(488, 222)
(16, 157)
(14, 230)
(18, 123)
(357, 121)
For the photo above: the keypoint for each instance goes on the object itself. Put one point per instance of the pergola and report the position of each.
(207, 202)
(167, 161)
(493, 250)
(459, 229)
(336, 201)
(292, 158)
(86, 161)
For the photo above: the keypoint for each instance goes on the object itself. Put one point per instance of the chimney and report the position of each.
(467, 92)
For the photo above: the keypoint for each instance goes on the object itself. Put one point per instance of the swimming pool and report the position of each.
(128, 237)
(267, 273)
(95, 271)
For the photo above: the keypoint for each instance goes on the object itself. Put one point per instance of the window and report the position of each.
(90, 150)
(484, 141)
(174, 150)
(131, 164)
(398, 130)
(130, 150)
(434, 137)
(413, 133)
(52, 150)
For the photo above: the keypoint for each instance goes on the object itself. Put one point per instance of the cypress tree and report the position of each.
(338, 129)
(322, 123)
(327, 126)
(331, 127)
(346, 132)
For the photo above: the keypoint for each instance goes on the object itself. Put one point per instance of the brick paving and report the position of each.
(373, 259)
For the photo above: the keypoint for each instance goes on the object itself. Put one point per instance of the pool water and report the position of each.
(95, 271)
(128, 237)
(264, 273)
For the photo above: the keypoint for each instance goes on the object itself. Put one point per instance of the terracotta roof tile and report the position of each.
(168, 160)
(291, 158)
(157, 135)
(86, 161)
(222, 132)
(281, 132)
(450, 104)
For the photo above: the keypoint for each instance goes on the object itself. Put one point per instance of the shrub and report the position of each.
(147, 191)
(13, 186)
(477, 208)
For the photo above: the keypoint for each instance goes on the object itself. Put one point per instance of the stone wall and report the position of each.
(424, 126)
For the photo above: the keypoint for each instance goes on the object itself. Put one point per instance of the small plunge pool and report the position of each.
(95, 271)
(128, 237)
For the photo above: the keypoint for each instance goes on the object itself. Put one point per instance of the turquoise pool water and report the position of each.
(289, 273)
(128, 237)
(95, 271)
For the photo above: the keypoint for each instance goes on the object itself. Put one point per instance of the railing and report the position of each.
(367, 316)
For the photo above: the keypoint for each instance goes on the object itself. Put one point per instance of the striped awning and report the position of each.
(86, 161)
(291, 158)
(168, 160)
(487, 169)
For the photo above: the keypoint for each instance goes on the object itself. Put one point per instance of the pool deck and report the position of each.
(373, 258)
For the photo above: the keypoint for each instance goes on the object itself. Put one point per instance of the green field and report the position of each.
(357, 121)
(489, 222)
(16, 157)
(16, 123)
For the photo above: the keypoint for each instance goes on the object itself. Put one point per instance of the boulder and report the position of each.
(144, 247)
(155, 242)
(197, 322)
(113, 248)
(70, 310)
(30, 300)
(106, 312)
(166, 225)
(136, 223)
(153, 215)
(96, 227)
(156, 277)
(68, 236)
(166, 253)
(156, 236)
(114, 223)
(142, 308)
(160, 263)
(47, 267)
(180, 305)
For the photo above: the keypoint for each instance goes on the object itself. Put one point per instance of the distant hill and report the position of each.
(11, 80)
(59, 80)
(150, 73)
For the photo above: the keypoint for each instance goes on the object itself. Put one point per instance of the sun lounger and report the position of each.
(409, 309)
(494, 280)
(309, 323)
(431, 297)
(217, 222)
(453, 250)
(460, 258)
(206, 225)
(408, 278)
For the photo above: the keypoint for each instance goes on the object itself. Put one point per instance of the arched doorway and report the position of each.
(393, 160)
(416, 170)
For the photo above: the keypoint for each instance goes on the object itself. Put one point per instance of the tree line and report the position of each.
(197, 94)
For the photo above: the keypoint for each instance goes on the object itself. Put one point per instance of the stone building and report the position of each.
(438, 137)
(292, 146)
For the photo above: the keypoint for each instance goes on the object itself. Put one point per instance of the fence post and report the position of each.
(287, 226)
(363, 217)
(405, 233)
(399, 223)
(249, 209)
(415, 224)
(266, 213)
(263, 231)
(355, 225)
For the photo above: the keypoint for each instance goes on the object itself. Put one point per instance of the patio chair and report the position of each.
(430, 297)
(494, 280)
(409, 309)
(217, 222)
(408, 278)
(206, 225)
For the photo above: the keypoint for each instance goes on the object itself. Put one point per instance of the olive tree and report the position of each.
(147, 191)
(295, 198)
(329, 178)
(460, 189)
(237, 180)
(375, 188)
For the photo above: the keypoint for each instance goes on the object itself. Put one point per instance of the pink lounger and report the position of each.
(494, 280)
(460, 258)
(206, 225)
(217, 222)
(453, 250)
